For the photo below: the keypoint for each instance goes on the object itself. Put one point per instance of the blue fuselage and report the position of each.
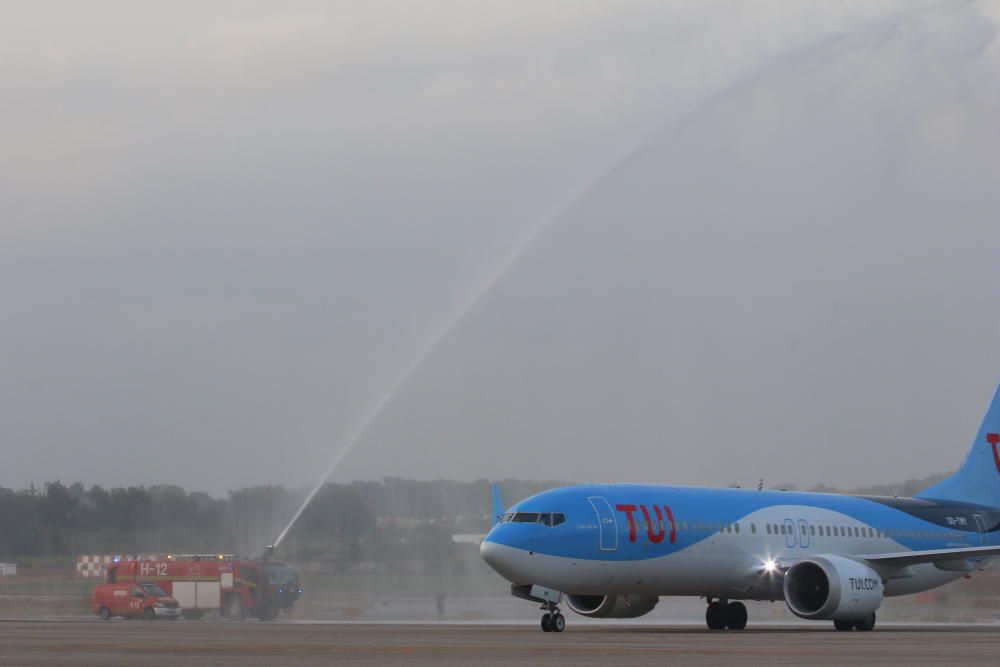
(674, 540)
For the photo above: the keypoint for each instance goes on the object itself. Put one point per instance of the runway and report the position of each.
(253, 643)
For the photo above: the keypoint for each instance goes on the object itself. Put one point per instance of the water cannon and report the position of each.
(268, 552)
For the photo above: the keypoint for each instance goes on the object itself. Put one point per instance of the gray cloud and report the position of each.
(225, 235)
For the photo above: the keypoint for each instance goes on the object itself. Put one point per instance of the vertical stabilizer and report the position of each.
(497, 503)
(978, 480)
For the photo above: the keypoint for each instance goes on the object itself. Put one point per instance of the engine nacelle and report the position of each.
(612, 606)
(832, 587)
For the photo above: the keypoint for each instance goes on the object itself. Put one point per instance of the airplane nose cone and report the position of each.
(500, 558)
(490, 551)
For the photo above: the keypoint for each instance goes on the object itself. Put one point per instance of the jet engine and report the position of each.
(612, 606)
(832, 587)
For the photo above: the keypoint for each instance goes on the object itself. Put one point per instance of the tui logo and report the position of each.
(994, 439)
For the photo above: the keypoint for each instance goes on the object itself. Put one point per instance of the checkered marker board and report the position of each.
(96, 566)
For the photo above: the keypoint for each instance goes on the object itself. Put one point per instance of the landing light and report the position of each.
(770, 566)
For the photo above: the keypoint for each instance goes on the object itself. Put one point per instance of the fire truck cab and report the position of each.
(235, 587)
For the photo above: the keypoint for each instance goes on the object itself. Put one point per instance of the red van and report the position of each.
(130, 600)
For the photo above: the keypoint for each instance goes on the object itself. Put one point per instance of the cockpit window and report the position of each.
(525, 517)
(507, 518)
(553, 518)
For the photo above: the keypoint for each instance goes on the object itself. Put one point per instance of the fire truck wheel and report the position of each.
(105, 614)
(192, 615)
(148, 614)
(268, 612)
(234, 608)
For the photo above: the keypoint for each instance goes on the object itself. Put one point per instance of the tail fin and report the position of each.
(978, 480)
(497, 503)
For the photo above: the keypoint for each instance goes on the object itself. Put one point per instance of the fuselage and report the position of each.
(677, 540)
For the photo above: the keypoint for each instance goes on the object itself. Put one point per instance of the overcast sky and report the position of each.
(768, 240)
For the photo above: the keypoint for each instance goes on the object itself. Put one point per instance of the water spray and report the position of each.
(471, 299)
(503, 266)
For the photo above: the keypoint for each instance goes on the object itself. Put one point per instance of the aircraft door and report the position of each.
(789, 533)
(803, 534)
(984, 535)
(607, 522)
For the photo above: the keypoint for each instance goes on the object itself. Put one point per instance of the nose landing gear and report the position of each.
(552, 620)
(722, 614)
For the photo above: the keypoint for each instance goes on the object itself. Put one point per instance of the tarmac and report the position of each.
(118, 642)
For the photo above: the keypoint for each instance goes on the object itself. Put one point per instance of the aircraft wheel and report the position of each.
(736, 616)
(866, 624)
(715, 616)
(843, 626)
(558, 623)
(105, 614)
(547, 623)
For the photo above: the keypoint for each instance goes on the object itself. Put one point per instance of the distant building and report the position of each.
(8, 569)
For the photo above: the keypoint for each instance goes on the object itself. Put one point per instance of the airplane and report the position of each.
(612, 550)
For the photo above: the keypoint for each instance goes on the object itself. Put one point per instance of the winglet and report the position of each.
(497, 503)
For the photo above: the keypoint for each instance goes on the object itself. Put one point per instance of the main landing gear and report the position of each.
(722, 614)
(552, 620)
(866, 624)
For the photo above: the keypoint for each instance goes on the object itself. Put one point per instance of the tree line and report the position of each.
(394, 520)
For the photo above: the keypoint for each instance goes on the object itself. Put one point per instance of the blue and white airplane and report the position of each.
(611, 551)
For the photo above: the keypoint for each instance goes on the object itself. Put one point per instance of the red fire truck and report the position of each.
(235, 587)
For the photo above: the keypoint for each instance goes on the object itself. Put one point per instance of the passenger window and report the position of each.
(737, 528)
(753, 528)
(768, 527)
(812, 530)
(783, 530)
